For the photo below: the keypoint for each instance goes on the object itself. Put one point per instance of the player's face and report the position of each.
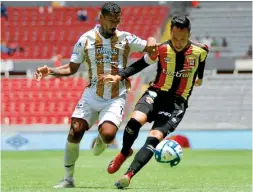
(110, 23)
(179, 38)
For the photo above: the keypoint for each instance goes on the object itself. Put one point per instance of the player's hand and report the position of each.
(198, 82)
(110, 78)
(152, 48)
(42, 72)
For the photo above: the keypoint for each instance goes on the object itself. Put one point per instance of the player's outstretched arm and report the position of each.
(133, 69)
(65, 70)
(151, 48)
(199, 79)
(150, 58)
(201, 67)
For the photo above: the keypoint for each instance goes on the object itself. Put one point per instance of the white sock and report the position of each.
(99, 137)
(70, 157)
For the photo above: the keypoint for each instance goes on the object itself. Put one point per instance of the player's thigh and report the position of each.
(84, 110)
(145, 105)
(113, 112)
(166, 121)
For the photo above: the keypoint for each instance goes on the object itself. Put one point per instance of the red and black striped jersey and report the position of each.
(177, 71)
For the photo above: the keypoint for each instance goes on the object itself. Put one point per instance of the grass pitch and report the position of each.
(199, 171)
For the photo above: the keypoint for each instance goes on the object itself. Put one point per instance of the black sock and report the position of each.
(144, 155)
(130, 134)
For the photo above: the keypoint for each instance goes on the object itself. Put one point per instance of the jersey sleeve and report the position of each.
(136, 44)
(203, 55)
(78, 51)
(204, 52)
(136, 67)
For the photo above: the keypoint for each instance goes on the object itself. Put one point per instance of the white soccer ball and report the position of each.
(168, 151)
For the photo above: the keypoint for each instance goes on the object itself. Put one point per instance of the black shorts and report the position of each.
(166, 110)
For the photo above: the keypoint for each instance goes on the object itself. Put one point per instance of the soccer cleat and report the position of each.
(99, 146)
(65, 183)
(124, 180)
(116, 163)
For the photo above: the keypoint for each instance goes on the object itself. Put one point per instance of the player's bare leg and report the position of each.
(107, 132)
(76, 132)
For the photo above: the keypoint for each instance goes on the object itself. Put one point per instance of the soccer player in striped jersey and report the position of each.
(105, 50)
(181, 65)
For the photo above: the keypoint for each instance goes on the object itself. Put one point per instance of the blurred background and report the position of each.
(35, 115)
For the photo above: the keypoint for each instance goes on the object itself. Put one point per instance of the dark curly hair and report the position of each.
(110, 7)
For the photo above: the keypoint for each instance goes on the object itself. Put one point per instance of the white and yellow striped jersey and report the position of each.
(106, 56)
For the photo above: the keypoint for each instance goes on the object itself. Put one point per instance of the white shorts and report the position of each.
(92, 107)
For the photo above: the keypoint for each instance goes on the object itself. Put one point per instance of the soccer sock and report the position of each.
(100, 139)
(130, 134)
(144, 155)
(70, 157)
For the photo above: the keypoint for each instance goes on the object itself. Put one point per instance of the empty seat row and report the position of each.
(45, 34)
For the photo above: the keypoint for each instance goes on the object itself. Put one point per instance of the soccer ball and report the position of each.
(168, 151)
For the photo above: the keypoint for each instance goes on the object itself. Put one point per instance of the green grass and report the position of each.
(200, 171)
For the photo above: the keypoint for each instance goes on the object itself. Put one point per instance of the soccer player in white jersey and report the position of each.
(105, 50)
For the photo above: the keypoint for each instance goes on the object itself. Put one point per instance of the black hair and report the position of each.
(181, 22)
(110, 7)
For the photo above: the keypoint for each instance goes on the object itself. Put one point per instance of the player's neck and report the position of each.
(183, 50)
(103, 33)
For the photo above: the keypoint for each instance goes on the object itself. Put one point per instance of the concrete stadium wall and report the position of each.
(220, 140)
(211, 63)
(53, 137)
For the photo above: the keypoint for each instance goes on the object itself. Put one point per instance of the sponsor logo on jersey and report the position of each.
(107, 51)
(182, 73)
(107, 56)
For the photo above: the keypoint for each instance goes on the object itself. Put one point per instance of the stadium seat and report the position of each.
(27, 101)
(45, 34)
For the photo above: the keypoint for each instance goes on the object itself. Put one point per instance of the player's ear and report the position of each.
(101, 16)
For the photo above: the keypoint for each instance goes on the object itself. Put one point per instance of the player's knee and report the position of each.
(108, 131)
(108, 137)
(140, 117)
(157, 134)
(77, 129)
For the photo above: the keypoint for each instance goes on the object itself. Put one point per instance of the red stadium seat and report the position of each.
(36, 29)
(27, 101)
